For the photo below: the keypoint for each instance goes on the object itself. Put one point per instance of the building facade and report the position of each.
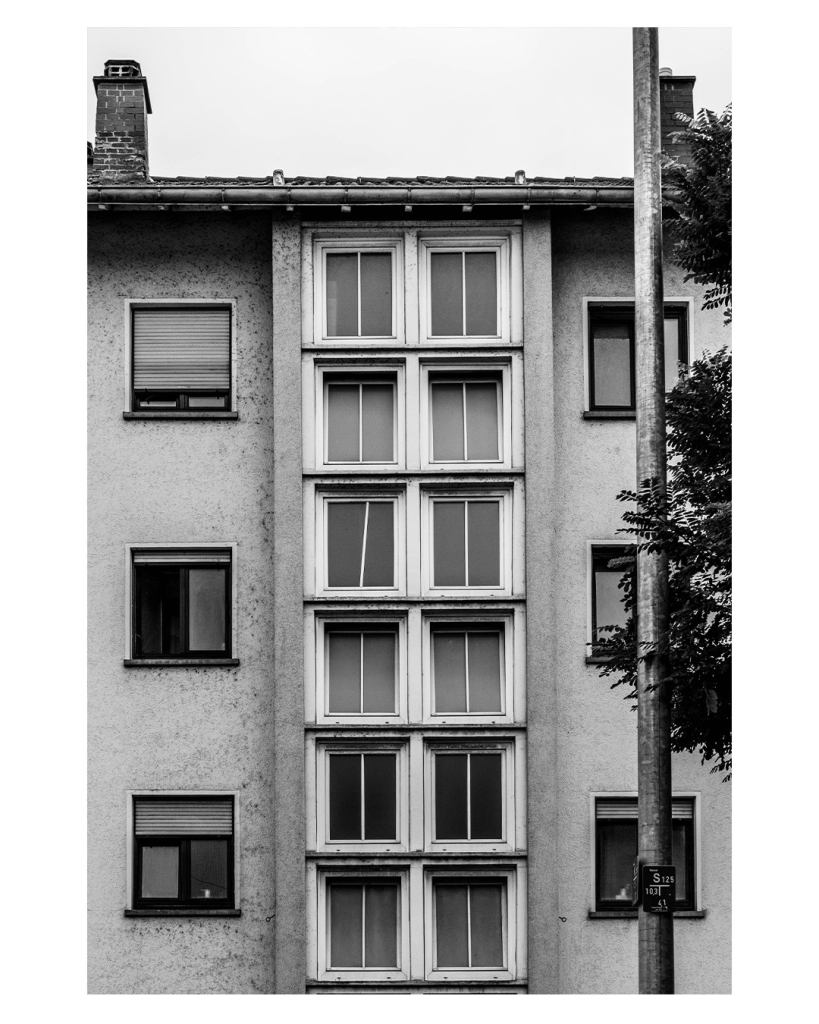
(354, 446)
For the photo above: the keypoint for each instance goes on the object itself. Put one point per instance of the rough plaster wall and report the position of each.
(181, 728)
(593, 256)
(540, 611)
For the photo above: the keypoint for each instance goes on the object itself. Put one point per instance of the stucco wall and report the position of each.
(182, 481)
(596, 744)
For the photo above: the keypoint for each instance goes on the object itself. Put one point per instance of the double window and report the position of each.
(612, 356)
(183, 853)
(615, 830)
(180, 358)
(360, 548)
(360, 419)
(181, 603)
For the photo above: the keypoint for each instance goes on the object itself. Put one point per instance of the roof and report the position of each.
(399, 181)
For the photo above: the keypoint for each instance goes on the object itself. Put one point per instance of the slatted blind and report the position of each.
(624, 807)
(183, 817)
(176, 349)
(175, 556)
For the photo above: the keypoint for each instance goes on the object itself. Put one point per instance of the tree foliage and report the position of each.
(693, 526)
(700, 193)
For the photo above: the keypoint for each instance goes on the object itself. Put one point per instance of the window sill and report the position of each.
(180, 414)
(610, 414)
(599, 659)
(178, 662)
(633, 913)
(182, 912)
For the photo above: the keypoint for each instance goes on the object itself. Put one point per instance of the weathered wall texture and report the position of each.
(593, 256)
(180, 481)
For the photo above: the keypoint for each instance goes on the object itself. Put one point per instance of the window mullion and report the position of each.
(463, 294)
(466, 669)
(468, 796)
(466, 438)
(364, 542)
(360, 422)
(363, 925)
(361, 678)
(466, 543)
(184, 601)
(469, 924)
(359, 292)
(363, 801)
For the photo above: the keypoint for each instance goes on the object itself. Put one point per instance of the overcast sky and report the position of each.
(398, 101)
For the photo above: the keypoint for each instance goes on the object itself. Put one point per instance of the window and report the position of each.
(607, 608)
(466, 420)
(469, 542)
(181, 603)
(360, 419)
(362, 796)
(468, 669)
(468, 795)
(357, 294)
(616, 849)
(612, 354)
(183, 852)
(181, 358)
(359, 542)
(361, 671)
(465, 284)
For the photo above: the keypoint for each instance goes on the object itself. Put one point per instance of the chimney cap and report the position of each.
(123, 68)
(666, 72)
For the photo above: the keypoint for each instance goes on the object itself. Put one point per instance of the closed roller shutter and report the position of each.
(178, 556)
(212, 817)
(182, 349)
(625, 808)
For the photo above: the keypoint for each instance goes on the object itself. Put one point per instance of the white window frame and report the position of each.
(692, 795)
(509, 560)
(378, 494)
(509, 784)
(319, 946)
(350, 245)
(513, 921)
(148, 302)
(617, 542)
(318, 657)
(131, 548)
(501, 245)
(320, 791)
(497, 371)
(512, 663)
(357, 372)
(130, 865)
(625, 302)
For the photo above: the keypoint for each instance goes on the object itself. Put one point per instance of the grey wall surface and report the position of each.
(180, 481)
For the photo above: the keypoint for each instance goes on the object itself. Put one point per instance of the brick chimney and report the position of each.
(676, 94)
(121, 145)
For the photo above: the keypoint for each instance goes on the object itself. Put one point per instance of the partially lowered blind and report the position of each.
(183, 817)
(176, 349)
(627, 808)
(179, 556)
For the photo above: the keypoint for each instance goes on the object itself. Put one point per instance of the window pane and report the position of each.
(679, 857)
(160, 872)
(206, 609)
(446, 303)
(449, 671)
(379, 563)
(481, 422)
(342, 423)
(379, 796)
(379, 672)
(671, 328)
(158, 629)
(451, 925)
(484, 544)
(345, 796)
(376, 294)
(609, 609)
(612, 366)
(342, 295)
(345, 926)
(345, 538)
(485, 796)
(484, 672)
(448, 540)
(481, 293)
(450, 796)
(209, 869)
(377, 421)
(487, 925)
(618, 848)
(447, 422)
(344, 673)
(381, 925)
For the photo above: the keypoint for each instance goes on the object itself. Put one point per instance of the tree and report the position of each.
(699, 192)
(693, 525)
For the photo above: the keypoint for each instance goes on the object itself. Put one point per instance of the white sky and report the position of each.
(398, 101)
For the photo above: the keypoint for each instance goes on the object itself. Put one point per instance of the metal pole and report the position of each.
(655, 934)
